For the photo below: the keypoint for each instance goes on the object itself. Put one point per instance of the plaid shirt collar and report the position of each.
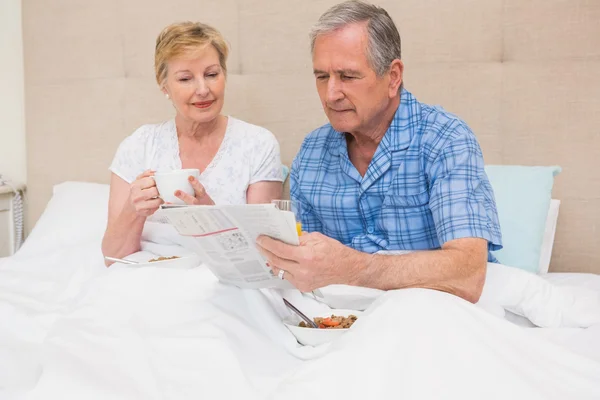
(399, 134)
(397, 138)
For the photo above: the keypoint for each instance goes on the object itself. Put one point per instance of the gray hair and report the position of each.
(383, 37)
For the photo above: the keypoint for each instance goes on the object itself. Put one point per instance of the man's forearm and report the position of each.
(460, 272)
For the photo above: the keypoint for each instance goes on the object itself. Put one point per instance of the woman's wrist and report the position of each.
(129, 223)
(134, 220)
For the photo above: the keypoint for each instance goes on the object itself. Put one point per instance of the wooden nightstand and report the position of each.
(7, 219)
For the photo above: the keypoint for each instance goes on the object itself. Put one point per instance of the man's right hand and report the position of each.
(143, 195)
(316, 262)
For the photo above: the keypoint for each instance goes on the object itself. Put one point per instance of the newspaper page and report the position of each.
(225, 236)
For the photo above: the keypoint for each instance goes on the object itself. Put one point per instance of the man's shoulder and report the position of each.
(440, 128)
(319, 140)
(315, 151)
(320, 135)
(438, 122)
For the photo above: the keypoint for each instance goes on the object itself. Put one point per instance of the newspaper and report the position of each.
(225, 238)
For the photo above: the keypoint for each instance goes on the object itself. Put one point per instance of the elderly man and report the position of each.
(387, 173)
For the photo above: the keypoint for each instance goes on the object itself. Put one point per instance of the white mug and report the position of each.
(169, 182)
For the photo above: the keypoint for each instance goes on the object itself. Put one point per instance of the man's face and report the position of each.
(353, 96)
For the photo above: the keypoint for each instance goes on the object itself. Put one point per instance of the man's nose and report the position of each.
(334, 92)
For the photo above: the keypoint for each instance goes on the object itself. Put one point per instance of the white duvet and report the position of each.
(72, 329)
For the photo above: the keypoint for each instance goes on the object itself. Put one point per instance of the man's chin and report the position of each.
(341, 126)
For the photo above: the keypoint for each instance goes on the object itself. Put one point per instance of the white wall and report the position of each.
(12, 103)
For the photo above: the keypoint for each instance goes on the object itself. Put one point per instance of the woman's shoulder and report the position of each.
(246, 130)
(151, 131)
(149, 136)
(138, 151)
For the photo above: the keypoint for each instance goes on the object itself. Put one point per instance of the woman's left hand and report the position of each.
(200, 195)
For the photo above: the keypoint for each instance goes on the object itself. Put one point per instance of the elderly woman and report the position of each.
(239, 162)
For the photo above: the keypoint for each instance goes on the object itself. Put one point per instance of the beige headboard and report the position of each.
(524, 74)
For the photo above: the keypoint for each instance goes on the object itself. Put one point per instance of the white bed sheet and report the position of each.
(70, 328)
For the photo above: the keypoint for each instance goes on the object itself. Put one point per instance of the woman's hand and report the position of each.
(143, 195)
(200, 195)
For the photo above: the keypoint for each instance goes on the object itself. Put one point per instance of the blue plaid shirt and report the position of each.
(425, 185)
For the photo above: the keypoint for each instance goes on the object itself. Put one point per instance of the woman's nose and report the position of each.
(202, 88)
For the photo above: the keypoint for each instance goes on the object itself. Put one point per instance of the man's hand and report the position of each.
(458, 268)
(317, 262)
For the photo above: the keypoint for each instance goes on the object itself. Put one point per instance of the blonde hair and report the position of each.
(184, 37)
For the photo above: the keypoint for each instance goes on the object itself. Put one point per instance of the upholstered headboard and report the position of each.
(525, 75)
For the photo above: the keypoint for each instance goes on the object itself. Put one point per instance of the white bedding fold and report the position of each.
(543, 303)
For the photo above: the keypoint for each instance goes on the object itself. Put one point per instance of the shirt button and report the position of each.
(370, 229)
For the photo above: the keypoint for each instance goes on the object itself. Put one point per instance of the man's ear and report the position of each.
(396, 77)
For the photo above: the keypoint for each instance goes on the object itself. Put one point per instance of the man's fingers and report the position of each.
(290, 259)
(278, 262)
(278, 248)
(307, 237)
(288, 276)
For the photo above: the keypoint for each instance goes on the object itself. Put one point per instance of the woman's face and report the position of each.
(196, 85)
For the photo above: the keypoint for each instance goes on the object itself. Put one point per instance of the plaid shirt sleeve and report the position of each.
(310, 221)
(461, 197)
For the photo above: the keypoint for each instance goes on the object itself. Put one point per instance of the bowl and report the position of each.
(316, 337)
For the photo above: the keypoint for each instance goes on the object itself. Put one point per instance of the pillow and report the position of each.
(523, 197)
(549, 232)
(76, 213)
(286, 172)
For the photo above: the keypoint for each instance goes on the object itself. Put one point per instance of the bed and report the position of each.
(523, 75)
(71, 328)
